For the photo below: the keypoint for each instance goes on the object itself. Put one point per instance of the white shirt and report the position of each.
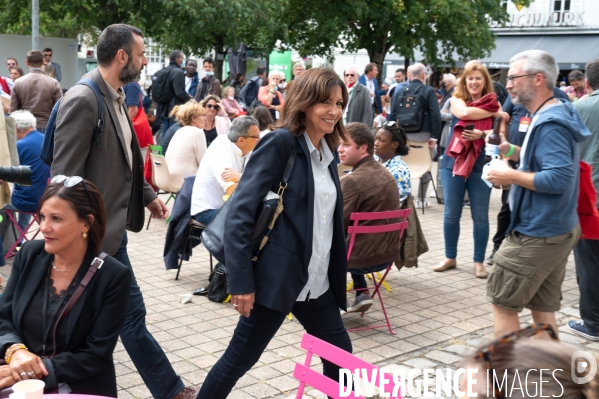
(187, 83)
(325, 199)
(370, 84)
(209, 187)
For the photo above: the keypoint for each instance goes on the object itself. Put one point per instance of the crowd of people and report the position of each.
(263, 138)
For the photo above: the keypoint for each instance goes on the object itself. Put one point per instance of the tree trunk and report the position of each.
(406, 64)
(219, 61)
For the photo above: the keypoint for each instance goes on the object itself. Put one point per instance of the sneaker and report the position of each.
(362, 303)
(419, 204)
(466, 204)
(490, 259)
(432, 195)
(187, 393)
(578, 328)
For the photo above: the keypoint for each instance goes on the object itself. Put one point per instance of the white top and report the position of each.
(209, 187)
(370, 85)
(184, 153)
(187, 82)
(325, 199)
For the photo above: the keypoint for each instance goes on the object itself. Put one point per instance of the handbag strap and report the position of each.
(279, 209)
(95, 266)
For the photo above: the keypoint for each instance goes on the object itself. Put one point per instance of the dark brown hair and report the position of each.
(35, 58)
(361, 134)
(370, 67)
(84, 205)
(264, 118)
(310, 88)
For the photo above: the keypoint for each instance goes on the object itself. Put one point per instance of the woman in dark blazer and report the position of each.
(302, 268)
(73, 352)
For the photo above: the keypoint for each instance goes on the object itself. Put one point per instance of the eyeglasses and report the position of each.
(528, 332)
(512, 77)
(71, 181)
(215, 106)
(253, 137)
(350, 74)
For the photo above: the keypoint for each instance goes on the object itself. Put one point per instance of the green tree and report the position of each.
(203, 26)
(69, 18)
(440, 29)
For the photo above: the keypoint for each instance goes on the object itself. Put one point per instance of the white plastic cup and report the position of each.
(29, 389)
(185, 298)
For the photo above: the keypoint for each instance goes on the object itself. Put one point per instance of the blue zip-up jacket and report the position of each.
(552, 153)
(194, 85)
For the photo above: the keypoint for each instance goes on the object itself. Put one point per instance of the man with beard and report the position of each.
(530, 265)
(114, 164)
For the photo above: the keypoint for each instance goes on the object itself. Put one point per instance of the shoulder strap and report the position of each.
(100, 124)
(95, 266)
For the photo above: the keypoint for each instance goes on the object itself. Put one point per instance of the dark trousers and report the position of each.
(320, 317)
(147, 355)
(358, 278)
(503, 220)
(586, 257)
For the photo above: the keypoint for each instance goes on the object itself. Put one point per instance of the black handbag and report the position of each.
(213, 235)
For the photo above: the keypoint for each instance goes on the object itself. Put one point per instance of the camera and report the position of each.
(16, 174)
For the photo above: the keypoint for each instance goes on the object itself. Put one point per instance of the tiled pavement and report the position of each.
(438, 317)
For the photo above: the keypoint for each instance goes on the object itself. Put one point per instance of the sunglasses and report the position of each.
(528, 332)
(47, 55)
(350, 74)
(71, 181)
(389, 124)
(215, 106)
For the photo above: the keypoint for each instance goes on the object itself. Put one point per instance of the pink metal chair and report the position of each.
(356, 228)
(341, 358)
(22, 234)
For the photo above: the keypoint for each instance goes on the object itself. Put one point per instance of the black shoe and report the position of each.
(201, 291)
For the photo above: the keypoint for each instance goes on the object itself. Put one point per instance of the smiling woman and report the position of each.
(302, 268)
(42, 304)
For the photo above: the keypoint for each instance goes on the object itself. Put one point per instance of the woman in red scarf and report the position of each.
(473, 102)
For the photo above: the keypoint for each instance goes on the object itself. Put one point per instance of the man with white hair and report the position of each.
(298, 69)
(418, 102)
(29, 147)
(531, 263)
(448, 84)
(358, 107)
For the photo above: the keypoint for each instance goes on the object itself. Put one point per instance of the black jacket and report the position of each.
(281, 271)
(93, 325)
(432, 116)
(177, 88)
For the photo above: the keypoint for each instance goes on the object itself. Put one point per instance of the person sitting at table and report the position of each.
(70, 352)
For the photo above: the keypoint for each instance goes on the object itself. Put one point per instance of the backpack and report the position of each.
(47, 153)
(161, 90)
(409, 110)
(249, 93)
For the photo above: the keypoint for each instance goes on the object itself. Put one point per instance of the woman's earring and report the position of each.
(85, 235)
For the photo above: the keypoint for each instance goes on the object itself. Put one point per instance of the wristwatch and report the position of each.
(484, 135)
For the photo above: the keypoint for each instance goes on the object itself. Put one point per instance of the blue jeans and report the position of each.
(320, 317)
(166, 124)
(206, 216)
(357, 276)
(147, 356)
(479, 193)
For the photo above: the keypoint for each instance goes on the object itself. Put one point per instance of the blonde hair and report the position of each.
(186, 112)
(461, 90)
(226, 89)
(523, 355)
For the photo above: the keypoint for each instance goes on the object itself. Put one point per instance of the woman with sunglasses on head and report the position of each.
(49, 329)
(520, 365)
(389, 146)
(215, 120)
(473, 102)
(302, 269)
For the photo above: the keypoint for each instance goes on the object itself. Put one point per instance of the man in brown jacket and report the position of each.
(35, 92)
(370, 187)
(115, 165)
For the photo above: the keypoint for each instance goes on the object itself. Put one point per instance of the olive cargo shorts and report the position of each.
(529, 271)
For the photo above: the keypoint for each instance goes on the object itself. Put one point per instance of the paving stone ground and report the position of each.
(438, 317)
